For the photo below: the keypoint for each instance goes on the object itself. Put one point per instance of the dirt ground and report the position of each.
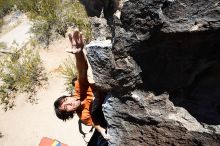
(27, 123)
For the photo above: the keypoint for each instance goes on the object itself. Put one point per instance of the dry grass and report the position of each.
(20, 72)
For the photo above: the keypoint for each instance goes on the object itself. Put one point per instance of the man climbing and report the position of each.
(81, 102)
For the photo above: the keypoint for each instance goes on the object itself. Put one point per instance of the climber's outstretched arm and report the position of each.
(77, 44)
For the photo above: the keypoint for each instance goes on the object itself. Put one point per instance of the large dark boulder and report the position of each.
(143, 119)
(172, 41)
(162, 46)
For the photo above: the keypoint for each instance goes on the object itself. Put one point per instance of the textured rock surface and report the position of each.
(99, 55)
(100, 29)
(157, 34)
(144, 119)
(162, 46)
(175, 43)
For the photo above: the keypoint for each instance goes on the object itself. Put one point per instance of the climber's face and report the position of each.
(69, 104)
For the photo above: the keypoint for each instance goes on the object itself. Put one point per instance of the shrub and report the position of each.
(5, 6)
(1, 23)
(76, 13)
(20, 72)
(3, 45)
(68, 70)
(51, 18)
(42, 31)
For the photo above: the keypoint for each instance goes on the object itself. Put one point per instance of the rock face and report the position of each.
(176, 45)
(100, 55)
(144, 119)
(162, 46)
(100, 29)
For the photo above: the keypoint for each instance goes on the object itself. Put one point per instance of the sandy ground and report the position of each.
(27, 123)
(16, 30)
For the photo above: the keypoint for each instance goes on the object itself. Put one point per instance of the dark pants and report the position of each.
(97, 140)
(98, 117)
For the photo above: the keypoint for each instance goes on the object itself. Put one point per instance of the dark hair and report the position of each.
(62, 114)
